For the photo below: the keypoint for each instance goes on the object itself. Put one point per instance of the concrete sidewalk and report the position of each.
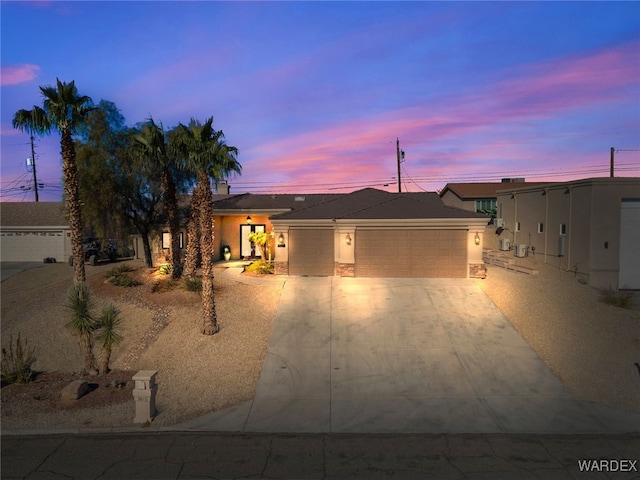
(404, 356)
(158, 456)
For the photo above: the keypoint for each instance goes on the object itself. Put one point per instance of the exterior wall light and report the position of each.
(249, 219)
(347, 239)
(280, 239)
(477, 239)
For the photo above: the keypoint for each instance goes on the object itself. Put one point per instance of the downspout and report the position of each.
(546, 223)
(570, 229)
(515, 218)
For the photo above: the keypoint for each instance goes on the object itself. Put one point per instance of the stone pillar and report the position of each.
(144, 395)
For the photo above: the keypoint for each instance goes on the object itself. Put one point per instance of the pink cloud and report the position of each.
(17, 74)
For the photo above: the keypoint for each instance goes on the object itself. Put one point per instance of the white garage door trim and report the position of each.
(629, 274)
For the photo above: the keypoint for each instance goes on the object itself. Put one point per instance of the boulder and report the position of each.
(74, 390)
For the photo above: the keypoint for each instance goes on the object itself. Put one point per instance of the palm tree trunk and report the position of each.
(73, 204)
(193, 236)
(209, 317)
(171, 207)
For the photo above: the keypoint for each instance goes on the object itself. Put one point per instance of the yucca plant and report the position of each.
(107, 335)
(82, 324)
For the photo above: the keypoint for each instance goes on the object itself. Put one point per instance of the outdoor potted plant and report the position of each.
(226, 251)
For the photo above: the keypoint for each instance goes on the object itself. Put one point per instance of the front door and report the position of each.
(249, 249)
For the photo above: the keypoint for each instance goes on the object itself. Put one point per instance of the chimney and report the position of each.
(222, 188)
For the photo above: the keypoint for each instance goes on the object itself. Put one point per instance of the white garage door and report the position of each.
(629, 276)
(411, 253)
(311, 252)
(32, 246)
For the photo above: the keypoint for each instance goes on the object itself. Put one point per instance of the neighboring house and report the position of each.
(33, 231)
(590, 226)
(478, 197)
(373, 233)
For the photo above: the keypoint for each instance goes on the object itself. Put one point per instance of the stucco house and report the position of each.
(374, 233)
(590, 226)
(33, 231)
(369, 232)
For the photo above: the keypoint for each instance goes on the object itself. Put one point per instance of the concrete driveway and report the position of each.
(404, 356)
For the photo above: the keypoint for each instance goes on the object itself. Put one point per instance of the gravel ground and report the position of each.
(590, 346)
(198, 374)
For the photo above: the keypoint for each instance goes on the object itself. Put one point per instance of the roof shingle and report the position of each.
(32, 214)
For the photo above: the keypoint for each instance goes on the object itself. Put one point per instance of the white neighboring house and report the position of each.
(590, 226)
(33, 231)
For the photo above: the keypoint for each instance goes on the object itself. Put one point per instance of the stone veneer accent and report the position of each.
(281, 268)
(345, 269)
(477, 270)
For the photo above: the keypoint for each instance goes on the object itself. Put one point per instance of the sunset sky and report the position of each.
(314, 94)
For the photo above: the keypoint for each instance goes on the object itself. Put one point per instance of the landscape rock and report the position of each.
(74, 390)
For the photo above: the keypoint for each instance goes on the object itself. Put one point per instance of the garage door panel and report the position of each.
(31, 246)
(411, 253)
(311, 252)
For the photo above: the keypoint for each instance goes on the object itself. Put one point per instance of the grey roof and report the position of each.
(32, 214)
(272, 202)
(371, 203)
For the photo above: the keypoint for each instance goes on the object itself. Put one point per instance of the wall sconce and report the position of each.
(249, 219)
(280, 239)
(347, 239)
(476, 239)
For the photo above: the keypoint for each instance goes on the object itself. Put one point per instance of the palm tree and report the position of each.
(82, 323)
(63, 109)
(107, 335)
(154, 148)
(223, 162)
(206, 155)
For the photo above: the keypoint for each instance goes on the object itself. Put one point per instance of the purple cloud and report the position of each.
(17, 74)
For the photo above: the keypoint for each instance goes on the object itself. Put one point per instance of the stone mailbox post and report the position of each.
(144, 395)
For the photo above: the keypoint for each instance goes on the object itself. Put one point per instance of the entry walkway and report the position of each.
(360, 355)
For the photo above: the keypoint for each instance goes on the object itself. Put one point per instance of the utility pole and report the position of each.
(400, 157)
(613, 150)
(33, 164)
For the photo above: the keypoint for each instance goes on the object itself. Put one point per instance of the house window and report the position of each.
(540, 227)
(166, 240)
(517, 226)
(486, 205)
(563, 229)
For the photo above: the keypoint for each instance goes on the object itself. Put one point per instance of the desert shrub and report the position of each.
(118, 276)
(193, 284)
(165, 269)
(16, 363)
(260, 267)
(617, 298)
(119, 270)
(124, 280)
